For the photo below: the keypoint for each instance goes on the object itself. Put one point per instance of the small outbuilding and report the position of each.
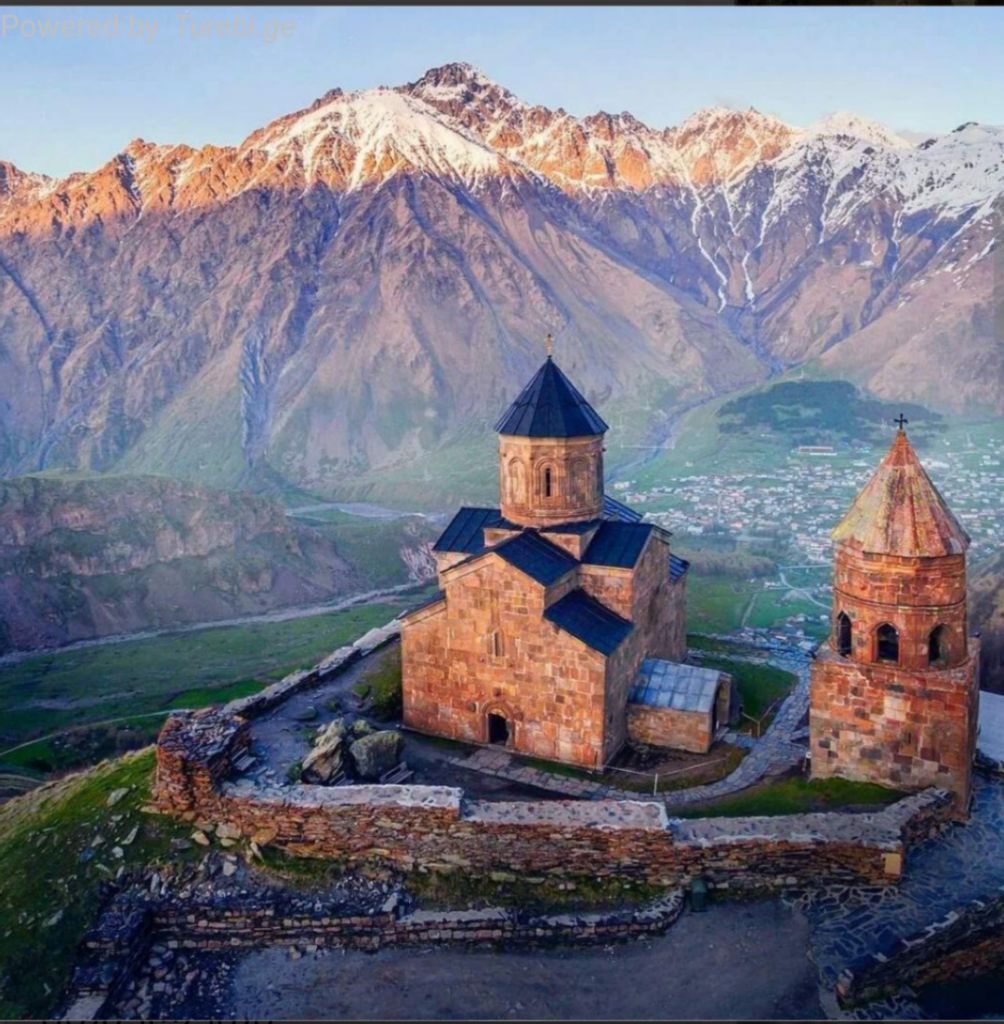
(680, 706)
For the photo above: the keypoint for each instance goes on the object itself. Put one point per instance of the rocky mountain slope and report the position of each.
(91, 557)
(369, 279)
(987, 615)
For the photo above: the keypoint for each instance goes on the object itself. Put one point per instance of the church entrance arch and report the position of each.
(498, 729)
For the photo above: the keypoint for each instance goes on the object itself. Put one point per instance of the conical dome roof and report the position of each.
(550, 406)
(900, 511)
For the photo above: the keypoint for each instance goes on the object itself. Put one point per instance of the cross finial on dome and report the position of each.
(901, 421)
(549, 345)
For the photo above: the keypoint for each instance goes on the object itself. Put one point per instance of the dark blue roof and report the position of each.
(580, 527)
(617, 544)
(538, 558)
(550, 406)
(677, 567)
(465, 531)
(614, 509)
(588, 620)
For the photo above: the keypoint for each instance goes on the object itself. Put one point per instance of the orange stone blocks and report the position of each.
(895, 691)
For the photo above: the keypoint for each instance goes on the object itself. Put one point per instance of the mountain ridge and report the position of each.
(226, 310)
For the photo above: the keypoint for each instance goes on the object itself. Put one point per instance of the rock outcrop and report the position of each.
(376, 753)
(325, 763)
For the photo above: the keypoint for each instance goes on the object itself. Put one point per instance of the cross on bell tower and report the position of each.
(901, 421)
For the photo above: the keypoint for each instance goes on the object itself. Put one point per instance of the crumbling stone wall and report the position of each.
(436, 828)
(968, 942)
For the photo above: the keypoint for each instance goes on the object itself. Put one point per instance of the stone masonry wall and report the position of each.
(903, 728)
(967, 943)
(548, 685)
(576, 465)
(665, 727)
(435, 828)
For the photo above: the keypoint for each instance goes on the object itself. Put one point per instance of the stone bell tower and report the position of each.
(550, 453)
(895, 691)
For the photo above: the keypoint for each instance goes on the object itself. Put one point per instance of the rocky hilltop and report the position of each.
(84, 558)
(368, 279)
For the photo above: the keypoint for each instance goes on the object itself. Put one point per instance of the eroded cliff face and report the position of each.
(986, 614)
(369, 279)
(85, 558)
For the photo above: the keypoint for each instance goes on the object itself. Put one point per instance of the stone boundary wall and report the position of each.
(122, 937)
(437, 829)
(296, 682)
(965, 943)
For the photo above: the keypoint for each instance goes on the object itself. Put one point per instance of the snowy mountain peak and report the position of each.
(857, 127)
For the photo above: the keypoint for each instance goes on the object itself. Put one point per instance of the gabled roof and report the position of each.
(550, 406)
(540, 559)
(589, 621)
(617, 544)
(465, 531)
(668, 684)
(614, 509)
(900, 511)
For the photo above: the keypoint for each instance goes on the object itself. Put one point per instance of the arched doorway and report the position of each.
(498, 729)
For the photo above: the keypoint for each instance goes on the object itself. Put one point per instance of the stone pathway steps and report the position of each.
(944, 874)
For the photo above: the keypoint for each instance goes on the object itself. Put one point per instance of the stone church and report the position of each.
(560, 622)
(895, 691)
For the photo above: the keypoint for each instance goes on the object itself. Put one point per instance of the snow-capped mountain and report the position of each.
(365, 279)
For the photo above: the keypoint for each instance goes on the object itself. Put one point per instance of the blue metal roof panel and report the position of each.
(668, 684)
(617, 544)
(677, 567)
(465, 531)
(589, 621)
(614, 509)
(530, 553)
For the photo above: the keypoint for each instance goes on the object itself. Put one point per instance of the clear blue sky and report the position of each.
(70, 103)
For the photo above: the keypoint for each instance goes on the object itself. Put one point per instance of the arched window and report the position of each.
(887, 643)
(547, 480)
(496, 646)
(937, 646)
(843, 634)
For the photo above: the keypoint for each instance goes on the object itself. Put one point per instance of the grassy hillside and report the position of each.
(52, 868)
(108, 697)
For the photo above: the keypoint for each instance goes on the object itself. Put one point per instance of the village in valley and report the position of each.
(785, 503)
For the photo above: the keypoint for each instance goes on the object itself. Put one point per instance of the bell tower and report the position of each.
(550, 453)
(895, 691)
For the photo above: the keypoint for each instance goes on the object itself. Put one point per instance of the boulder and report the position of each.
(376, 753)
(360, 727)
(326, 760)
